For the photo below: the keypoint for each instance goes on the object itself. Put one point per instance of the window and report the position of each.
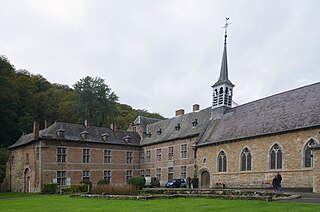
(128, 175)
(86, 176)
(308, 161)
(245, 160)
(183, 172)
(177, 127)
(158, 173)
(170, 153)
(86, 155)
(148, 156)
(142, 173)
(129, 157)
(222, 162)
(107, 175)
(61, 154)
(158, 154)
(142, 156)
(159, 131)
(276, 157)
(61, 178)
(184, 151)
(195, 122)
(170, 173)
(107, 156)
(148, 173)
(37, 153)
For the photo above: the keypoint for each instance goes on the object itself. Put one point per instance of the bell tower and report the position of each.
(223, 88)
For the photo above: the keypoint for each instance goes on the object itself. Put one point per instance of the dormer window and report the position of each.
(195, 122)
(127, 139)
(159, 131)
(85, 135)
(148, 134)
(60, 132)
(177, 127)
(105, 136)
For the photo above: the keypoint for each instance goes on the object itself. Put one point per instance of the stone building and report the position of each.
(242, 146)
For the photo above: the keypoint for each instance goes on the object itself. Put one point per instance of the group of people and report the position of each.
(276, 182)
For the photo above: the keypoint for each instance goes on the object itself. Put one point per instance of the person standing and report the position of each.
(275, 183)
(279, 180)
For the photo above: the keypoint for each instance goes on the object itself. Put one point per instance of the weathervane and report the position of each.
(225, 29)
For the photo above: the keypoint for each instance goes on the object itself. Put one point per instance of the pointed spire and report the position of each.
(223, 78)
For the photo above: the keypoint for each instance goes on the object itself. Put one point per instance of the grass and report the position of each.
(37, 202)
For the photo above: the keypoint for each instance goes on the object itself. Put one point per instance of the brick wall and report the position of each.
(176, 163)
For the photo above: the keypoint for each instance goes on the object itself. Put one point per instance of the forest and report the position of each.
(26, 97)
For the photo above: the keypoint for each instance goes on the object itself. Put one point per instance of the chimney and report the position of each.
(195, 107)
(86, 123)
(113, 126)
(179, 112)
(35, 130)
(46, 124)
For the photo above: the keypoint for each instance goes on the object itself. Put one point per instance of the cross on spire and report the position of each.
(225, 30)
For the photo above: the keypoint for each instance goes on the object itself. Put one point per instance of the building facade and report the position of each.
(240, 147)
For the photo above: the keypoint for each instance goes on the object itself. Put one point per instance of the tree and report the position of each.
(94, 101)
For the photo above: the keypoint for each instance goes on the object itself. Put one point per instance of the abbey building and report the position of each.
(241, 147)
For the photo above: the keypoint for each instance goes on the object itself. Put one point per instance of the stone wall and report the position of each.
(293, 172)
(316, 171)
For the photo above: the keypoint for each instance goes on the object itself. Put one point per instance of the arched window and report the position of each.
(276, 157)
(222, 162)
(245, 160)
(308, 161)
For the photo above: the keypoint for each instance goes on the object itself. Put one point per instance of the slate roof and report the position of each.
(291, 110)
(144, 121)
(223, 78)
(168, 127)
(73, 133)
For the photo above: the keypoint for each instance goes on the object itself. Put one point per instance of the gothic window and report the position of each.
(275, 157)
(245, 160)
(308, 161)
(222, 162)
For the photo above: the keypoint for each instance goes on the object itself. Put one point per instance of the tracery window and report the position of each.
(246, 160)
(222, 162)
(308, 160)
(275, 157)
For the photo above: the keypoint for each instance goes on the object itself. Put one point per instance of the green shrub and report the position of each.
(195, 182)
(79, 188)
(139, 182)
(67, 189)
(103, 182)
(89, 185)
(50, 188)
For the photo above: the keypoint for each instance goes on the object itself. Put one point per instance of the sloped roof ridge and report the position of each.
(273, 95)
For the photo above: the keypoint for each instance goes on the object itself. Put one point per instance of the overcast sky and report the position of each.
(164, 55)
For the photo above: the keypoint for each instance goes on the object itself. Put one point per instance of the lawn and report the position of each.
(23, 202)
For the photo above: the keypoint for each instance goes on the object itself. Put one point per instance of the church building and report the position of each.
(240, 147)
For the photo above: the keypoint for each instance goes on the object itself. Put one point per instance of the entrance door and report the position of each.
(27, 181)
(205, 179)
